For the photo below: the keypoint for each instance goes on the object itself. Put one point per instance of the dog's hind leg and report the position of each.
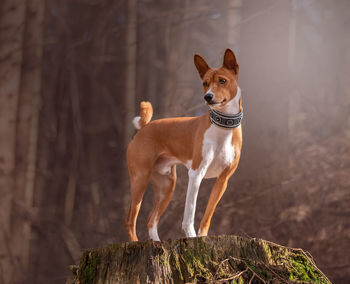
(164, 185)
(138, 183)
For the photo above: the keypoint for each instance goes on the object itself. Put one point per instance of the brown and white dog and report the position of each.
(208, 145)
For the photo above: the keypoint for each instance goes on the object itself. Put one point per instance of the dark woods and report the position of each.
(72, 74)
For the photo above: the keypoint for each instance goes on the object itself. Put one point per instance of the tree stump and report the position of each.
(214, 259)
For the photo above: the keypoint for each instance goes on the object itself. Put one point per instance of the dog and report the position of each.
(208, 145)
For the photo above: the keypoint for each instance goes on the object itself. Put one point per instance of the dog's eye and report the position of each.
(222, 81)
(205, 84)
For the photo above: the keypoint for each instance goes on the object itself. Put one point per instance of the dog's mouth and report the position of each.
(212, 103)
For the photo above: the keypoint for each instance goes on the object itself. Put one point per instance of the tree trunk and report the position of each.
(27, 131)
(12, 17)
(130, 72)
(216, 259)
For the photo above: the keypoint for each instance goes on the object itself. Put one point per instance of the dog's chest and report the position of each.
(218, 150)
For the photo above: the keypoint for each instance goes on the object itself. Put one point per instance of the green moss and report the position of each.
(175, 261)
(302, 269)
(258, 270)
(267, 250)
(89, 267)
(264, 274)
(240, 280)
(195, 264)
(115, 248)
(105, 263)
(164, 259)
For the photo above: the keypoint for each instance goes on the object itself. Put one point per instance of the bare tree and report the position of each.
(12, 19)
(27, 130)
(130, 72)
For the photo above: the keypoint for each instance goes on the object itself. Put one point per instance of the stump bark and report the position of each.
(215, 259)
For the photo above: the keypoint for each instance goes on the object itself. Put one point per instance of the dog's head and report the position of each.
(220, 85)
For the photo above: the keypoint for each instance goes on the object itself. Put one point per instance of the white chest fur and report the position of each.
(217, 143)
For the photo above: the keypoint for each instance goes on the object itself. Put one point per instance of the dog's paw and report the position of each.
(189, 230)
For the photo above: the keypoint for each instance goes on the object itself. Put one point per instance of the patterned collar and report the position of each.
(224, 120)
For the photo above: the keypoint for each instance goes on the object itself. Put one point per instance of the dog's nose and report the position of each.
(208, 97)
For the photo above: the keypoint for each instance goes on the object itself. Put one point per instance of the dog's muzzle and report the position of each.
(209, 97)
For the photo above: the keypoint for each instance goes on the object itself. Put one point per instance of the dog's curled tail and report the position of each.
(146, 112)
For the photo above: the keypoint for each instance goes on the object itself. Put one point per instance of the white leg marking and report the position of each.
(153, 231)
(190, 206)
(194, 180)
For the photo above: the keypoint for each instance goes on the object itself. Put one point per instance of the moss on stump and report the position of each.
(215, 259)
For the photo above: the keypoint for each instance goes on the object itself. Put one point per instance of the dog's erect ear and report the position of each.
(230, 61)
(201, 65)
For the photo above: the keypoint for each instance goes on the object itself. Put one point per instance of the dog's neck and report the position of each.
(233, 106)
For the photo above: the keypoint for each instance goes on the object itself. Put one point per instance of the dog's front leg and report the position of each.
(194, 180)
(215, 196)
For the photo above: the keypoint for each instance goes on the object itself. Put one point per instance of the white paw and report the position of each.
(153, 233)
(189, 230)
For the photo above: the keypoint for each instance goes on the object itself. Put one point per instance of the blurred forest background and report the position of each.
(72, 74)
